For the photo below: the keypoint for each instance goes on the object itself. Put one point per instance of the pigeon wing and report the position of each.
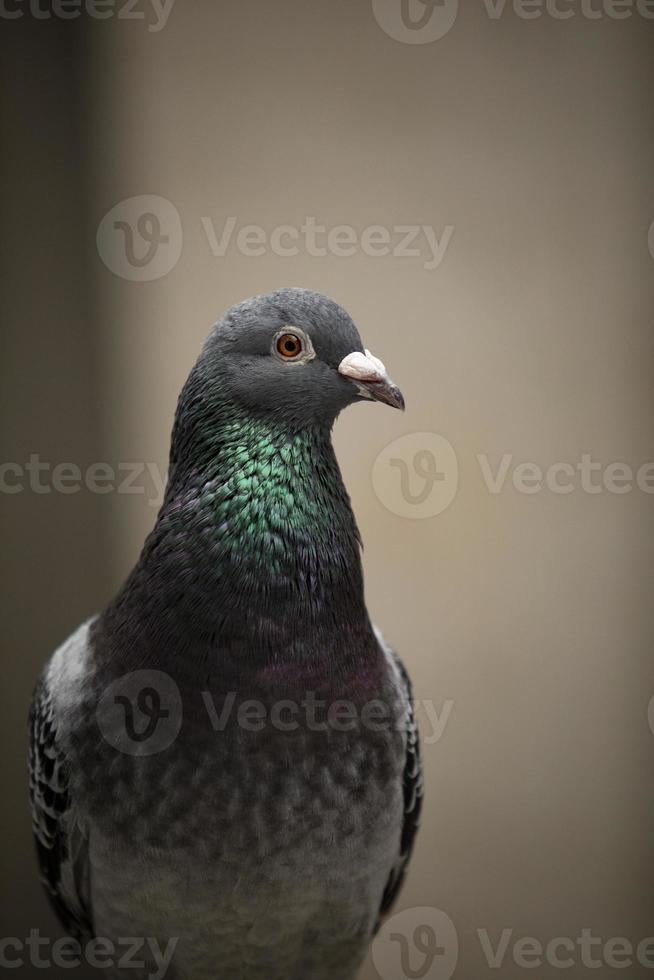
(61, 846)
(412, 787)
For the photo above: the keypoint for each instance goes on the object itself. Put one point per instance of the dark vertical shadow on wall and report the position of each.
(52, 542)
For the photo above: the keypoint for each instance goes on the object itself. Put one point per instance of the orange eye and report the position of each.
(289, 345)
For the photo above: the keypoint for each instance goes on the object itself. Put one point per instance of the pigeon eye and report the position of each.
(289, 346)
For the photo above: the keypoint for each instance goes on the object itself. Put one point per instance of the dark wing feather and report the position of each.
(413, 793)
(59, 844)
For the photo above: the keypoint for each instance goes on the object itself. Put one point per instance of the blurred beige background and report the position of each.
(528, 614)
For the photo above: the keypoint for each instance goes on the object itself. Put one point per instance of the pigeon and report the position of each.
(225, 762)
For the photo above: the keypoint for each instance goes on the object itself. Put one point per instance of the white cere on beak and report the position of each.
(362, 367)
(378, 364)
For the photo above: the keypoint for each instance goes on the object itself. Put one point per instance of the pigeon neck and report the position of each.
(256, 543)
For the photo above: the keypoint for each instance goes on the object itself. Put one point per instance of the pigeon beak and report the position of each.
(369, 375)
(384, 391)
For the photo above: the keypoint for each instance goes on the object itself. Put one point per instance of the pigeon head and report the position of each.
(295, 357)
